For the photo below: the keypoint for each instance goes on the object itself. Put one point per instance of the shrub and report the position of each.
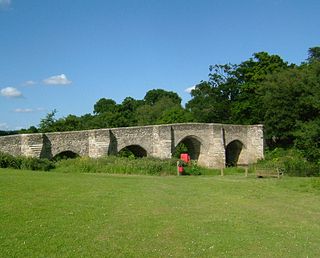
(19, 162)
(193, 168)
(291, 161)
(9, 161)
(37, 164)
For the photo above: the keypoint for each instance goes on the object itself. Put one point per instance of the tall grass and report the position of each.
(135, 166)
(118, 165)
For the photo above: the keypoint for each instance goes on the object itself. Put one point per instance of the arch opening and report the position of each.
(190, 145)
(134, 151)
(65, 155)
(233, 151)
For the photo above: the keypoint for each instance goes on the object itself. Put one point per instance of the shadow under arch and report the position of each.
(135, 150)
(233, 151)
(193, 146)
(65, 155)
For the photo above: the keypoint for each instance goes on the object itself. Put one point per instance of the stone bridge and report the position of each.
(213, 145)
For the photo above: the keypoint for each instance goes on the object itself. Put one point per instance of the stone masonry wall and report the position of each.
(11, 144)
(158, 141)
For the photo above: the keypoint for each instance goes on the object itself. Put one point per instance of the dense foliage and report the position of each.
(4, 133)
(20, 162)
(263, 89)
(290, 161)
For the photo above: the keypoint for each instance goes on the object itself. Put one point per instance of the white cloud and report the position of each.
(29, 83)
(23, 110)
(190, 89)
(5, 3)
(27, 110)
(10, 92)
(57, 80)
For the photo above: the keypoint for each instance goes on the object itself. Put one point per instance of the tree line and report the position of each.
(264, 89)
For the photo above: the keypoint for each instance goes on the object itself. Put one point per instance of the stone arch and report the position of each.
(68, 154)
(233, 151)
(136, 150)
(56, 150)
(194, 146)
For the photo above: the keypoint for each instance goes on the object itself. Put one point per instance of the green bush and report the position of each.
(291, 161)
(19, 162)
(9, 161)
(37, 164)
(192, 168)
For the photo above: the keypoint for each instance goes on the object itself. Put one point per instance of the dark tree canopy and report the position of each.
(231, 93)
(104, 105)
(153, 96)
(314, 54)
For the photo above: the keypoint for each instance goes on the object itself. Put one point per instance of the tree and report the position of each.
(153, 96)
(230, 94)
(104, 105)
(69, 123)
(209, 104)
(313, 54)
(154, 114)
(31, 129)
(47, 123)
(246, 109)
(174, 115)
(128, 109)
(290, 98)
(307, 139)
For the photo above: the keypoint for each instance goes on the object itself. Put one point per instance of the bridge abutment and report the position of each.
(214, 154)
(32, 145)
(99, 143)
(161, 142)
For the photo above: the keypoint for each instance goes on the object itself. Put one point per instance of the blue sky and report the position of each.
(67, 54)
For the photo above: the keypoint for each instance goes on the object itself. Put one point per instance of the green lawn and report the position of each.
(49, 214)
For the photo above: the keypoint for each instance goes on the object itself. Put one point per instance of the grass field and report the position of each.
(50, 214)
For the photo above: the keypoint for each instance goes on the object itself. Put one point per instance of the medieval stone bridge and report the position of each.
(213, 145)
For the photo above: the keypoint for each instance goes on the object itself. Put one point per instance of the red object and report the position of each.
(185, 157)
(180, 169)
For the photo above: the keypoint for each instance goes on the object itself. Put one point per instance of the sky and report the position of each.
(67, 54)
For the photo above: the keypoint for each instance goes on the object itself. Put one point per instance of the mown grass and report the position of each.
(47, 214)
